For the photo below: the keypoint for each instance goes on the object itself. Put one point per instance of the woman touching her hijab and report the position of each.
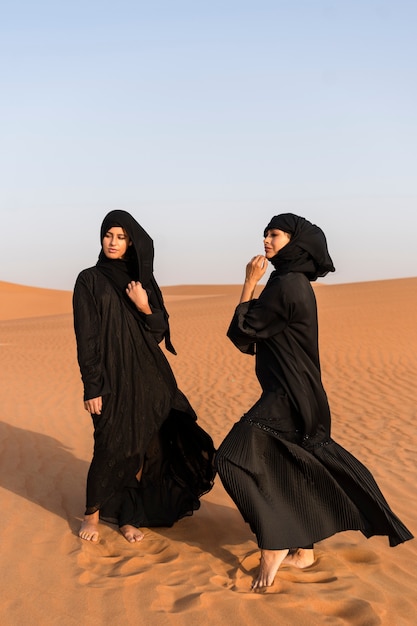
(151, 460)
(290, 480)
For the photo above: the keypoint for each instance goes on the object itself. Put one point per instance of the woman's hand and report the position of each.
(255, 269)
(94, 405)
(139, 297)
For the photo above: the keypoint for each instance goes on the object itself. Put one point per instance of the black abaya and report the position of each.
(290, 480)
(145, 420)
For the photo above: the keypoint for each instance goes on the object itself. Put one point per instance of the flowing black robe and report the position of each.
(290, 480)
(145, 421)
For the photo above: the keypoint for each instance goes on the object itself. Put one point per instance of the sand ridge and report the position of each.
(200, 570)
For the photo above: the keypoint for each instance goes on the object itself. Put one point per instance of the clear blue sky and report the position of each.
(204, 119)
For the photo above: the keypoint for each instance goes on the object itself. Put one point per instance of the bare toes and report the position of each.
(131, 534)
(89, 531)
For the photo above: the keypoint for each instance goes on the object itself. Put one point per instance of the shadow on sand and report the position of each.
(44, 471)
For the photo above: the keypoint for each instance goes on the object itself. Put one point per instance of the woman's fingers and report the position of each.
(94, 405)
(256, 267)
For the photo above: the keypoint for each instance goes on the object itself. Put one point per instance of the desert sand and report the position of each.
(200, 571)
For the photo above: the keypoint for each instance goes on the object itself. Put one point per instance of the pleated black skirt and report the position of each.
(293, 497)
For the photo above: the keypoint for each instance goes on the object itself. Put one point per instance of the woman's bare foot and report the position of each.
(300, 558)
(270, 562)
(131, 533)
(89, 527)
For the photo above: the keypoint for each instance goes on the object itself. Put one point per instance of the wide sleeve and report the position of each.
(87, 324)
(156, 323)
(259, 319)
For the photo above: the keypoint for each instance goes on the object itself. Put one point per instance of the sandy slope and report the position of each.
(200, 570)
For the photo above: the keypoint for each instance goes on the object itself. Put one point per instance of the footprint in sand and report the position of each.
(114, 564)
(359, 555)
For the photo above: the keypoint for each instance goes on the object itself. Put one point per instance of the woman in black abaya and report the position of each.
(151, 460)
(290, 480)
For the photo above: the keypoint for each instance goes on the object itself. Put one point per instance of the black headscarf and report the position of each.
(306, 252)
(136, 265)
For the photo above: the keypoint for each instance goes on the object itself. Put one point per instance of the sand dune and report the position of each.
(199, 571)
(18, 301)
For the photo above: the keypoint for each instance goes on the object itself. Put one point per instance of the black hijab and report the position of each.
(136, 265)
(307, 250)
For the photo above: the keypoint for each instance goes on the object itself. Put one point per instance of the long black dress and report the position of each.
(290, 480)
(145, 420)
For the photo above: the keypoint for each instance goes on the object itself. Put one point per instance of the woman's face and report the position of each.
(274, 241)
(115, 243)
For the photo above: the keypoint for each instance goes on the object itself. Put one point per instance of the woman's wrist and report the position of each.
(247, 290)
(146, 310)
